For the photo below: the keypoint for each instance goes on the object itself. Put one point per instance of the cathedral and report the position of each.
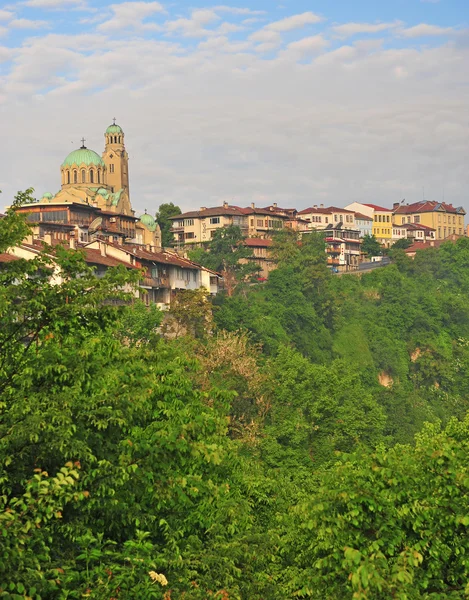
(94, 199)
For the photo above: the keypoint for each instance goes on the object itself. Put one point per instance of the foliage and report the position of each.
(371, 246)
(139, 323)
(165, 211)
(190, 314)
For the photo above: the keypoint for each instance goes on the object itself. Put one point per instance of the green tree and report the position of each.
(165, 211)
(371, 246)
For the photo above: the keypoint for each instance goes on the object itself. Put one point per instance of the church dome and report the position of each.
(83, 156)
(148, 221)
(114, 129)
(48, 196)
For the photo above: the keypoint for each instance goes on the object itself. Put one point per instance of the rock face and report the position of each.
(385, 379)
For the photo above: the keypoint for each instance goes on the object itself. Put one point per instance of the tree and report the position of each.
(227, 254)
(165, 211)
(402, 244)
(388, 524)
(371, 246)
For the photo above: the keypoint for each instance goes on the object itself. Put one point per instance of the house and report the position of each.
(199, 226)
(364, 224)
(444, 218)
(413, 232)
(320, 217)
(261, 249)
(343, 247)
(382, 220)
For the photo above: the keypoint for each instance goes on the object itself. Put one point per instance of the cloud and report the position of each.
(195, 26)
(27, 24)
(56, 4)
(238, 11)
(295, 22)
(308, 45)
(128, 15)
(6, 15)
(350, 29)
(423, 29)
(263, 35)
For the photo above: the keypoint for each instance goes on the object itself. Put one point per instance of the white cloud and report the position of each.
(238, 11)
(307, 45)
(265, 36)
(56, 4)
(295, 22)
(423, 29)
(195, 26)
(5, 54)
(129, 15)
(6, 15)
(27, 24)
(3, 30)
(350, 29)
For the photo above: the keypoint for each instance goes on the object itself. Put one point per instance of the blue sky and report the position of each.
(297, 102)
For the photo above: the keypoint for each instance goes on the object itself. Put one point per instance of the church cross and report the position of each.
(114, 121)
(82, 142)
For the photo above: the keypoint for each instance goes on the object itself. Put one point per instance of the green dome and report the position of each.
(83, 156)
(114, 129)
(148, 221)
(48, 195)
(103, 192)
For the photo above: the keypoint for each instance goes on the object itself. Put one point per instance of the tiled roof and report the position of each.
(258, 242)
(362, 217)
(378, 208)
(414, 226)
(428, 206)
(211, 212)
(6, 258)
(96, 258)
(327, 211)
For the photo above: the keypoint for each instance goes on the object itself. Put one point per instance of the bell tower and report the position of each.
(116, 159)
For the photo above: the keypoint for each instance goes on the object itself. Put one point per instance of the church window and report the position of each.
(111, 168)
(68, 176)
(83, 176)
(91, 176)
(75, 177)
(99, 175)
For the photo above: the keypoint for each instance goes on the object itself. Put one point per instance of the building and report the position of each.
(199, 226)
(320, 217)
(94, 199)
(364, 224)
(382, 220)
(92, 213)
(261, 249)
(444, 218)
(413, 232)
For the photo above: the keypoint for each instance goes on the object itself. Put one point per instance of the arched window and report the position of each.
(75, 177)
(99, 175)
(68, 176)
(83, 176)
(120, 139)
(91, 176)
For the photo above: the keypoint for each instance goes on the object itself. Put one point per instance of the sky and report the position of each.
(298, 102)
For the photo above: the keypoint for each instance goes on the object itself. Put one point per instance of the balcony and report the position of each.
(176, 229)
(154, 282)
(333, 261)
(333, 250)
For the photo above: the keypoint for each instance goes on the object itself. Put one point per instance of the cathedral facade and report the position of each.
(94, 199)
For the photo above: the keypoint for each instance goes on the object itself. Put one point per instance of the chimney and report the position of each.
(225, 204)
(275, 205)
(102, 247)
(253, 205)
(396, 205)
(48, 239)
(321, 206)
(72, 243)
(315, 205)
(202, 208)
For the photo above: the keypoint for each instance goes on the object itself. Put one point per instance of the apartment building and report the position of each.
(319, 217)
(444, 218)
(382, 220)
(199, 226)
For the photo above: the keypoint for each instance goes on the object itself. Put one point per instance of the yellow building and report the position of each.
(382, 220)
(444, 218)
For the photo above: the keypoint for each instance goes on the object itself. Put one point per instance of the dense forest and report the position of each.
(302, 438)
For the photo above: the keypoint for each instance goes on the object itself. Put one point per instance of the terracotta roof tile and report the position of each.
(378, 208)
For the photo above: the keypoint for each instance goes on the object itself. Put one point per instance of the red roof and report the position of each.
(328, 210)
(258, 242)
(363, 217)
(428, 206)
(6, 258)
(96, 258)
(414, 226)
(378, 208)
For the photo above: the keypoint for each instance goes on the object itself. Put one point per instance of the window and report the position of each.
(336, 218)
(326, 219)
(408, 219)
(403, 220)
(188, 222)
(99, 175)
(417, 219)
(454, 220)
(91, 176)
(376, 218)
(214, 220)
(189, 236)
(439, 218)
(252, 222)
(154, 272)
(439, 232)
(260, 222)
(111, 168)
(68, 176)
(83, 176)
(75, 177)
